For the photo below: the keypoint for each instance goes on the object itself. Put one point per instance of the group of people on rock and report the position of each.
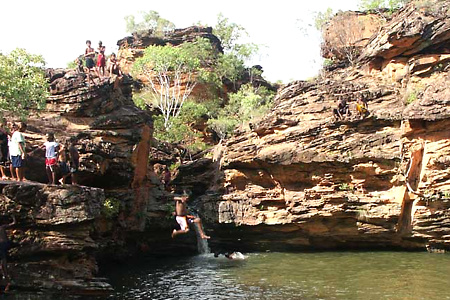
(95, 60)
(60, 159)
(342, 111)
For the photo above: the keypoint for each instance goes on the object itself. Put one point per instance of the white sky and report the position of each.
(58, 29)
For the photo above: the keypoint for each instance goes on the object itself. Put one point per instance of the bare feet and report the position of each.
(61, 181)
(205, 237)
(173, 233)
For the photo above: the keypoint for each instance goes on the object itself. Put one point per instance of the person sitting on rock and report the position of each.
(4, 247)
(113, 66)
(183, 219)
(342, 110)
(362, 108)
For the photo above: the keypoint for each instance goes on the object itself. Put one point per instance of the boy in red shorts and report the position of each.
(51, 157)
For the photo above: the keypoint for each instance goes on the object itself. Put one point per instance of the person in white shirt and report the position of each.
(51, 157)
(17, 151)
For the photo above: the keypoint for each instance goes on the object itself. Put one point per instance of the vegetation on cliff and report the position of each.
(23, 85)
(173, 73)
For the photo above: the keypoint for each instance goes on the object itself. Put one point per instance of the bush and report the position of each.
(246, 105)
(111, 208)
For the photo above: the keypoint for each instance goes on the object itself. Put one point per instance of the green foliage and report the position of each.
(345, 187)
(411, 97)
(245, 105)
(223, 125)
(380, 4)
(111, 208)
(322, 18)
(180, 129)
(232, 63)
(173, 72)
(327, 62)
(150, 21)
(23, 85)
(72, 64)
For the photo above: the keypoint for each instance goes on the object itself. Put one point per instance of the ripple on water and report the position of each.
(328, 275)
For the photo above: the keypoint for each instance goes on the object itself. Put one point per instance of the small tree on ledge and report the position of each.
(173, 72)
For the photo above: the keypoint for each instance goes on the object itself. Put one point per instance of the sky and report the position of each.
(58, 30)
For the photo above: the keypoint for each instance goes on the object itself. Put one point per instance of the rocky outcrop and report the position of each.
(303, 180)
(132, 47)
(53, 245)
(347, 33)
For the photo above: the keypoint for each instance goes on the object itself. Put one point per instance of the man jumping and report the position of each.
(183, 219)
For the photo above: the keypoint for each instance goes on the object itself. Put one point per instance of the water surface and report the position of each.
(327, 275)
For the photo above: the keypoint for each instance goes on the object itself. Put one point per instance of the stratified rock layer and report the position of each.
(52, 240)
(303, 180)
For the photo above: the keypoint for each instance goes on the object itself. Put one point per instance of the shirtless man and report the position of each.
(4, 246)
(183, 219)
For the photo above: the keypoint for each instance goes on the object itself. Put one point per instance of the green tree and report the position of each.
(23, 85)
(322, 18)
(173, 72)
(379, 4)
(232, 63)
(150, 21)
(247, 104)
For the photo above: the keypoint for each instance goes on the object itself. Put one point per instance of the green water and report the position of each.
(327, 275)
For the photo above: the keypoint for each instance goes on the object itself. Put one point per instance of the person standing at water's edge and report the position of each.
(183, 219)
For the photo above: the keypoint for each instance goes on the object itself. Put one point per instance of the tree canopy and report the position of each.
(150, 21)
(23, 85)
(173, 72)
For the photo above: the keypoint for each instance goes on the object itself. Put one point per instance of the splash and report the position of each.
(202, 244)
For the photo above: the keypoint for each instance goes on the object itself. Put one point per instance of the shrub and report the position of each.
(111, 208)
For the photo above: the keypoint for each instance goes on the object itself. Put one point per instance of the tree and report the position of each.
(150, 21)
(247, 104)
(23, 85)
(380, 4)
(173, 72)
(232, 63)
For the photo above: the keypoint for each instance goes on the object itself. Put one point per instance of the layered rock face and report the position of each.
(303, 180)
(52, 242)
(60, 229)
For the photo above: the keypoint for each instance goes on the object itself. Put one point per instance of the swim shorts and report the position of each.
(184, 220)
(16, 161)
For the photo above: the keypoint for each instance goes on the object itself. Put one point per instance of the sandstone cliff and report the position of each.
(302, 180)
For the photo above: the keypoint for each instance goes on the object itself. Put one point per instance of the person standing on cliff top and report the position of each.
(101, 60)
(4, 247)
(89, 55)
(183, 219)
(17, 151)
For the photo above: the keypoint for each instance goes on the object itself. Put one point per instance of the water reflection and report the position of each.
(347, 275)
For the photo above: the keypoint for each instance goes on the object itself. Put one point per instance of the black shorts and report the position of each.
(89, 62)
(64, 168)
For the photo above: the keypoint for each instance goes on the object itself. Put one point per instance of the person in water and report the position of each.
(4, 247)
(233, 255)
(184, 219)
